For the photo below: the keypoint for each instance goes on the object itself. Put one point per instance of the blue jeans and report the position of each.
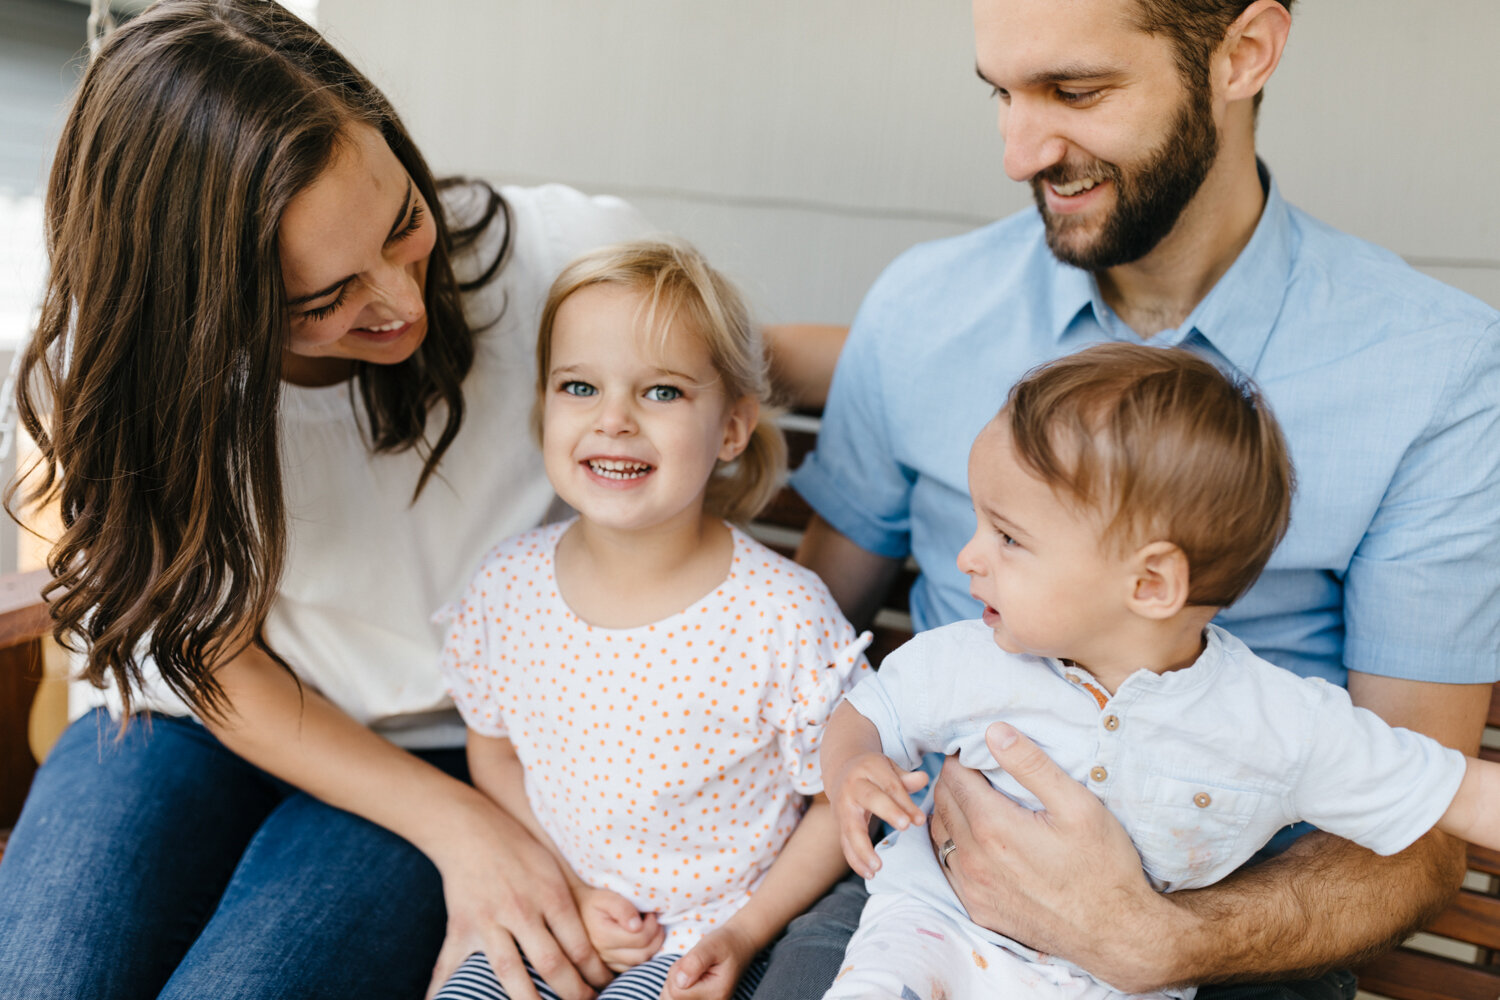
(163, 865)
(808, 956)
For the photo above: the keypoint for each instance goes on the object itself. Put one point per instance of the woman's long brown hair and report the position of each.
(153, 384)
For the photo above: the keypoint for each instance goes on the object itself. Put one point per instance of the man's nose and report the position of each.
(1031, 140)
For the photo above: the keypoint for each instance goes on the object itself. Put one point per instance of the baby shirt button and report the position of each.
(1099, 774)
(1111, 722)
(1202, 800)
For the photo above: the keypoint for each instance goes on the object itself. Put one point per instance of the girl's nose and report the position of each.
(967, 563)
(616, 418)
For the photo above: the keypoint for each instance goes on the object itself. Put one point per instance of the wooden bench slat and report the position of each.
(1482, 859)
(1473, 918)
(1410, 975)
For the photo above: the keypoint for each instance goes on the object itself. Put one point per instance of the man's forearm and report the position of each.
(1324, 903)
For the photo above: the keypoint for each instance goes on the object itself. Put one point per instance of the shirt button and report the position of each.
(1202, 800)
(1111, 722)
(1099, 774)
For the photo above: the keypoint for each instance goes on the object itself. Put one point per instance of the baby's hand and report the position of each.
(711, 970)
(622, 937)
(871, 783)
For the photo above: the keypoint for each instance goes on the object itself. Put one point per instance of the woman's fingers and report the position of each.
(450, 957)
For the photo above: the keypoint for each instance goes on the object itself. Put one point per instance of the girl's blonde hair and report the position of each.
(676, 284)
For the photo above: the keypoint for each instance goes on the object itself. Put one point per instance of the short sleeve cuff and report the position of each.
(828, 497)
(1422, 663)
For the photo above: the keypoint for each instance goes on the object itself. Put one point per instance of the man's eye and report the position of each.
(663, 393)
(1078, 97)
(577, 389)
(1001, 93)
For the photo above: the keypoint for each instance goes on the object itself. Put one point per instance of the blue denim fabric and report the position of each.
(165, 865)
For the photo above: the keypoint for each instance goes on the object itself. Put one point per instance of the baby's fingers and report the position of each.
(854, 839)
(885, 795)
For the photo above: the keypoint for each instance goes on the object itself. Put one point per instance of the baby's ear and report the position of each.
(1161, 580)
(739, 425)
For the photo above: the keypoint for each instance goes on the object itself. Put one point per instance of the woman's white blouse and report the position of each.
(366, 565)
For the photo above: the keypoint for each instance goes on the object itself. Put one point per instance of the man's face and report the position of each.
(1097, 118)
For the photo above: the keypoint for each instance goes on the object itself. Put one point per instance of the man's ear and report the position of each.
(1160, 583)
(743, 415)
(1251, 50)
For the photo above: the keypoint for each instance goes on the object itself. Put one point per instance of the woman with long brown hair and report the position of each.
(280, 391)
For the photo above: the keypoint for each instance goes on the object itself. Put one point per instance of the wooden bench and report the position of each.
(1468, 931)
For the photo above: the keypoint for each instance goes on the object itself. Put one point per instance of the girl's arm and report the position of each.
(622, 936)
(804, 870)
(1474, 813)
(501, 888)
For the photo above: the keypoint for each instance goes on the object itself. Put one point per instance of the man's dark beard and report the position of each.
(1148, 202)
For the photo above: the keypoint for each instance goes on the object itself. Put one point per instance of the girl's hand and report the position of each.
(712, 969)
(623, 937)
(506, 896)
(871, 784)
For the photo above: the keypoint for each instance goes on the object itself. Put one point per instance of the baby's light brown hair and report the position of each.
(1166, 447)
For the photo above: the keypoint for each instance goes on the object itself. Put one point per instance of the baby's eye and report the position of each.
(577, 388)
(663, 393)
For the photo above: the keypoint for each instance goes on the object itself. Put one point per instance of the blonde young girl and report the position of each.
(645, 685)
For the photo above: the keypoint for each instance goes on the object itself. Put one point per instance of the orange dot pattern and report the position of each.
(667, 762)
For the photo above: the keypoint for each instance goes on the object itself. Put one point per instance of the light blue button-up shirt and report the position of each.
(1386, 384)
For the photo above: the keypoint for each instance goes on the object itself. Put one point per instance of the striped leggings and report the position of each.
(475, 980)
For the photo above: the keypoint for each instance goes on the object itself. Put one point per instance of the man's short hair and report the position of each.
(1195, 28)
(1166, 447)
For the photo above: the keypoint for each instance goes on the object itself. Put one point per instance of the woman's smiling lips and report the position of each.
(381, 334)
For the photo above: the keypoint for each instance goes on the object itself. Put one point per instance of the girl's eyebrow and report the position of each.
(395, 228)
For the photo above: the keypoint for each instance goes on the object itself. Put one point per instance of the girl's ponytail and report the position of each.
(739, 490)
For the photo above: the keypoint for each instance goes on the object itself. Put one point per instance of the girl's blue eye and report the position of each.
(663, 393)
(578, 389)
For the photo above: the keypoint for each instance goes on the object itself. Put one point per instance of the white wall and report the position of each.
(804, 143)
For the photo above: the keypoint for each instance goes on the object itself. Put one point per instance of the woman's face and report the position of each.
(354, 248)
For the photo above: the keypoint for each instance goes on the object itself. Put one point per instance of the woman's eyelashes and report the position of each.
(323, 312)
(413, 224)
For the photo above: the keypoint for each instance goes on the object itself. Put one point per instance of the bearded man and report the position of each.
(1134, 123)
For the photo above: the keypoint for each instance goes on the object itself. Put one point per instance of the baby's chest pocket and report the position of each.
(1190, 833)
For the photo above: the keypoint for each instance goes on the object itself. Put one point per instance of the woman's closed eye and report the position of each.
(323, 312)
(415, 223)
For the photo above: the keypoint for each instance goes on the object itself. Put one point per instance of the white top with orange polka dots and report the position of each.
(667, 762)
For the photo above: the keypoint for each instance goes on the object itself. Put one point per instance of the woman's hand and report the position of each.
(623, 937)
(507, 897)
(712, 969)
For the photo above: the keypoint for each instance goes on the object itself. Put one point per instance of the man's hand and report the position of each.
(623, 937)
(872, 784)
(711, 969)
(1065, 880)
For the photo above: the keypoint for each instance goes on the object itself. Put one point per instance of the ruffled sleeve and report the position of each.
(468, 663)
(821, 659)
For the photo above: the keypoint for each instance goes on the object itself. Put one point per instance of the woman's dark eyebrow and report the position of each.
(395, 228)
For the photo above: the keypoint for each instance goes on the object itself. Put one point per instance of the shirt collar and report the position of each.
(1237, 314)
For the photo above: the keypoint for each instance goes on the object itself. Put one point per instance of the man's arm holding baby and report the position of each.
(1068, 881)
(622, 936)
